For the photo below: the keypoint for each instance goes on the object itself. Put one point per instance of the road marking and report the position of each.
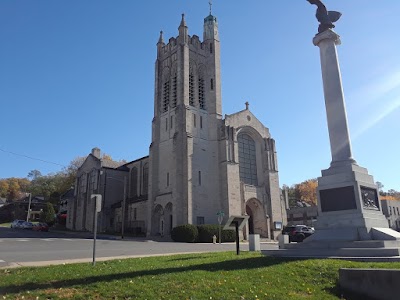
(22, 240)
(67, 240)
(48, 240)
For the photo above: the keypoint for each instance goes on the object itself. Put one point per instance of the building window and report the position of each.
(134, 214)
(397, 210)
(201, 94)
(390, 210)
(166, 96)
(212, 84)
(199, 177)
(134, 182)
(145, 179)
(200, 220)
(191, 89)
(201, 121)
(247, 159)
(170, 122)
(174, 91)
(166, 124)
(194, 120)
(211, 48)
(83, 181)
(93, 180)
(167, 179)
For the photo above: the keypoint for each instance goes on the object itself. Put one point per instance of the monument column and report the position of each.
(334, 97)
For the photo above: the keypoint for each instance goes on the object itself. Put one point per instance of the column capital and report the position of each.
(328, 34)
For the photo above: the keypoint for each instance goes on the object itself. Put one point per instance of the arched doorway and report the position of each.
(168, 219)
(249, 212)
(257, 221)
(157, 222)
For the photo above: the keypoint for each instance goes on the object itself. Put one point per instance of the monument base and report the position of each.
(350, 221)
(348, 205)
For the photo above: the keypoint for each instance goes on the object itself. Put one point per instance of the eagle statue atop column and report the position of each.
(325, 18)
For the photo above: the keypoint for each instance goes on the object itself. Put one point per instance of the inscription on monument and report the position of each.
(370, 198)
(337, 199)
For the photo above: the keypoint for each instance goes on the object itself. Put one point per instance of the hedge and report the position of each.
(185, 233)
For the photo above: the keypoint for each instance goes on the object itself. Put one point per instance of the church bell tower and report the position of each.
(184, 153)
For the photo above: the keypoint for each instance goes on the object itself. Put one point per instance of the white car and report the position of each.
(17, 224)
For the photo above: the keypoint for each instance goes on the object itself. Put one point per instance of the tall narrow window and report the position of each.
(134, 182)
(166, 96)
(135, 214)
(191, 89)
(145, 179)
(201, 93)
(211, 48)
(174, 91)
(199, 177)
(247, 159)
(166, 124)
(167, 179)
(201, 121)
(170, 122)
(212, 84)
(194, 120)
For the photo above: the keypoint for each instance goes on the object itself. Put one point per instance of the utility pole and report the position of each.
(29, 208)
(123, 209)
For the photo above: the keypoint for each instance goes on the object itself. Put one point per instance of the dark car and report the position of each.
(41, 227)
(297, 233)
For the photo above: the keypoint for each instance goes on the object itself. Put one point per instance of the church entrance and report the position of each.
(168, 219)
(157, 222)
(257, 221)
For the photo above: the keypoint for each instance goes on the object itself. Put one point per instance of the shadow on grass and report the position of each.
(229, 265)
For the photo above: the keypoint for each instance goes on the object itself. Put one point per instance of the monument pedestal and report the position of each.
(348, 206)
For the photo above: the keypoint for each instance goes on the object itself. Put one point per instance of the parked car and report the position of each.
(27, 225)
(297, 233)
(40, 227)
(16, 224)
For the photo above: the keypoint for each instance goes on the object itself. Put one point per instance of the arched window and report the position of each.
(145, 179)
(134, 182)
(191, 88)
(247, 159)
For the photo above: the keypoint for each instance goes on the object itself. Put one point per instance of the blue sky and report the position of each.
(79, 74)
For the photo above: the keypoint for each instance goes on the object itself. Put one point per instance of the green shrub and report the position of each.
(206, 233)
(185, 233)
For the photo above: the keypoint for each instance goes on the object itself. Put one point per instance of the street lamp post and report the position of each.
(123, 210)
(29, 207)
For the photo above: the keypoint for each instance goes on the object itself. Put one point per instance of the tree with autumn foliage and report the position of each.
(307, 191)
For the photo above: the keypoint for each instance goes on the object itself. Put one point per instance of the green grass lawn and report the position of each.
(195, 276)
(5, 225)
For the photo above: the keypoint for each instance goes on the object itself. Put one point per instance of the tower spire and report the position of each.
(210, 3)
(161, 39)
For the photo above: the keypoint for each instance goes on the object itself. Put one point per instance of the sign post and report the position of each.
(237, 223)
(220, 215)
(97, 209)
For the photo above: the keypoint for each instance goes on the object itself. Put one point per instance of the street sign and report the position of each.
(220, 215)
(98, 201)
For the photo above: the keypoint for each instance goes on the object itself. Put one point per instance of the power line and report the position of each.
(33, 158)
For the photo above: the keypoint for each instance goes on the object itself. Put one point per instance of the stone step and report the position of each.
(343, 244)
(339, 252)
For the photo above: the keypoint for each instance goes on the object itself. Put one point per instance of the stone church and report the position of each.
(200, 162)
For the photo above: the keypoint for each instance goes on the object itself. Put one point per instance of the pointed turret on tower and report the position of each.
(183, 30)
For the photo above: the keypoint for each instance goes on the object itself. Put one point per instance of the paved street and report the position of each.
(25, 247)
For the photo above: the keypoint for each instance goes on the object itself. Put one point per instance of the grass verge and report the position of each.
(196, 276)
